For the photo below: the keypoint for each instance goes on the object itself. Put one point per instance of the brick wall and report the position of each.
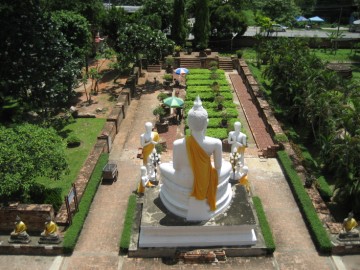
(33, 215)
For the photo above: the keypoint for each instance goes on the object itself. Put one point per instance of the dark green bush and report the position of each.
(264, 225)
(72, 233)
(324, 188)
(41, 194)
(73, 141)
(317, 231)
(128, 223)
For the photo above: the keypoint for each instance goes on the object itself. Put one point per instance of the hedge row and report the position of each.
(207, 76)
(207, 96)
(220, 133)
(72, 233)
(324, 189)
(203, 71)
(311, 218)
(190, 83)
(264, 225)
(128, 223)
(206, 88)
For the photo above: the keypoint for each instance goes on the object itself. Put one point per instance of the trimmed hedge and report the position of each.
(72, 233)
(264, 225)
(128, 223)
(206, 88)
(203, 71)
(207, 76)
(220, 133)
(190, 83)
(316, 228)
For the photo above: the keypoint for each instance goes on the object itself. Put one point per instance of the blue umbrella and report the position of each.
(180, 71)
(316, 19)
(301, 19)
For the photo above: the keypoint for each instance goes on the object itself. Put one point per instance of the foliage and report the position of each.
(157, 17)
(281, 11)
(73, 141)
(168, 77)
(226, 21)
(324, 188)
(38, 68)
(128, 223)
(76, 30)
(43, 154)
(161, 96)
(112, 23)
(315, 226)
(264, 225)
(202, 24)
(281, 137)
(40, 194)
(160, 112)
(134, 40)
(72, 233)
(179, 29)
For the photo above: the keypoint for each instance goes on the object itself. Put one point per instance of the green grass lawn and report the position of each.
(87, 130)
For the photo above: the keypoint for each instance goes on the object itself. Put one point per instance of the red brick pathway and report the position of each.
(257, 125)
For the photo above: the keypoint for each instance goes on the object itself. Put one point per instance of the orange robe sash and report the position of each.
(205, 175)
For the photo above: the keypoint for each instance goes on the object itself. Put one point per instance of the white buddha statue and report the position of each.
(193, 187)
(238, 140)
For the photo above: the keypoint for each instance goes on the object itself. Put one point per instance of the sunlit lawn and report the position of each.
(87, 130)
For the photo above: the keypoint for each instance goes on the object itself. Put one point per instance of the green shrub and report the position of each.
(264, 225)
(128, 223)
(162, 96)
(53, 196)
(281, 137)
(72, 233)
(324, 188)
(73, 141)
(239, 53)
(317, 231)
(41, 194)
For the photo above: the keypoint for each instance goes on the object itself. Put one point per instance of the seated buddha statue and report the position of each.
(50, 233)
(350, 226)
(19, 234)
(194, 187)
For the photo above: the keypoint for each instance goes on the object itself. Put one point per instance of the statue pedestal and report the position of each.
(235, 227)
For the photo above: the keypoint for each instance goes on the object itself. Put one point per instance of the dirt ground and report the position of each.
(102, 102)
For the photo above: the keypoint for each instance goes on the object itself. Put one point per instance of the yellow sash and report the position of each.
(149, 148)
(205, 175)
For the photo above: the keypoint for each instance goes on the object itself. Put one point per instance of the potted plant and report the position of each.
(189, 47)
(219, 100)
(239, 53)
(208, 51)
(162, 96)
(169, 62)
(167, 79)
(224, 118)
(177, 50)
(159, 112)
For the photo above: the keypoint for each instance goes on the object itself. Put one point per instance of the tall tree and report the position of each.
(179, 26)
(202, 24)
(155, 15)
(38, 68)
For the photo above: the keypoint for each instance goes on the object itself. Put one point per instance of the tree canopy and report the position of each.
(43, 154)
(38, 65)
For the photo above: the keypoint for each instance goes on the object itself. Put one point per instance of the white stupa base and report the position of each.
(197, 236)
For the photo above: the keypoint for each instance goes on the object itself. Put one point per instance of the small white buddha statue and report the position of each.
(194, 187)
(148, 140)
(238, 140)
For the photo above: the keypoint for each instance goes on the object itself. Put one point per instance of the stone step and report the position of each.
(154, 68)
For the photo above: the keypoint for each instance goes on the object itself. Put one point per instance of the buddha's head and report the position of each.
(197, 116)
(148, 127)
(237, 126)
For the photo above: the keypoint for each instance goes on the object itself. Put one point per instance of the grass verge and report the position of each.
(128, 223)
(264, 225)
(317, 231)
(72, 233)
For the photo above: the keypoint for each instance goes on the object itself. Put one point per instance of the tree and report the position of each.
(154, 15)
(179, 26)
(280, 11)
(135, 40)
(38, 67)
(43, 154)
(76, 30)
(202, 24)
(114, 19)
(226, 21)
